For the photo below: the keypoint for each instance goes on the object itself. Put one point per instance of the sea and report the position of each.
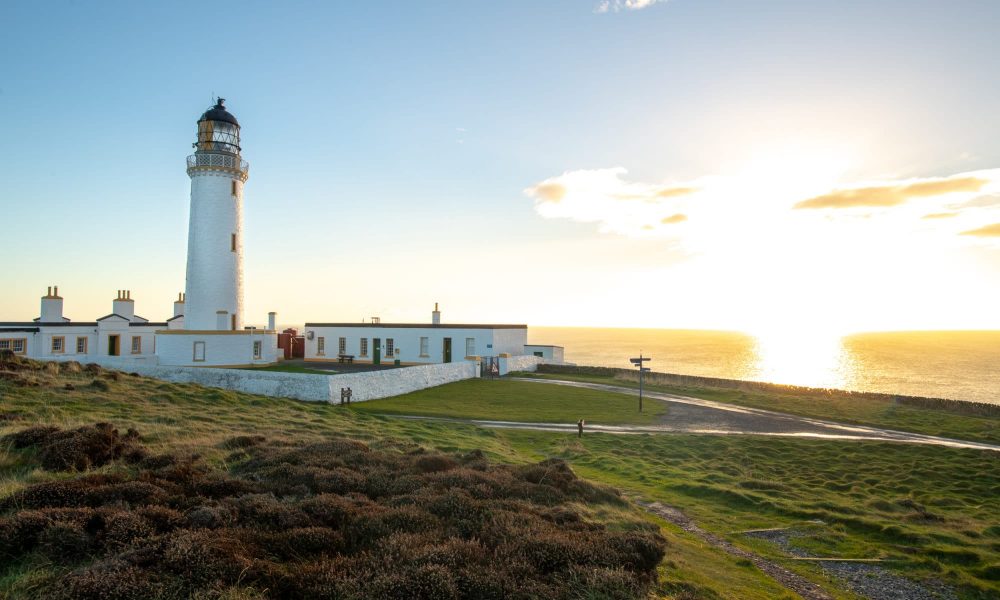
(960, 365)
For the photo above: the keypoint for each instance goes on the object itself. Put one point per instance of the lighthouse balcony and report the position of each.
(218, 162)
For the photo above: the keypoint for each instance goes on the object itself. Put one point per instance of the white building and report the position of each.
(415, 343)
(116, 338)
(207, 327)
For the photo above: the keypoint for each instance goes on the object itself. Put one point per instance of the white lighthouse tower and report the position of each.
(214, 288)
(213, 332)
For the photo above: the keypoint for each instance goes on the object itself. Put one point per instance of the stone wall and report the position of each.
(519, 363)
(372, 385)
(369, 385)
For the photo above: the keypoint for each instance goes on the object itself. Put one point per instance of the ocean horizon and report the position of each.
(959, 365)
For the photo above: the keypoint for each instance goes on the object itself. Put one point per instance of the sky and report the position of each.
(778, 166)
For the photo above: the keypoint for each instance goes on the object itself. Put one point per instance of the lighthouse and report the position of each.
(214, 285)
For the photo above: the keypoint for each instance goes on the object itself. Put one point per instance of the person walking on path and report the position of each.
(579, 426)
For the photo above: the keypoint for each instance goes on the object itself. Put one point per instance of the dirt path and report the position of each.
(796, 583)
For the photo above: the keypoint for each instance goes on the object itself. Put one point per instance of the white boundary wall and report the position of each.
(369, 385)
(520, 363)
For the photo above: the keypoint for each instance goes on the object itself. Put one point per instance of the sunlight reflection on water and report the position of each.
(964, 364)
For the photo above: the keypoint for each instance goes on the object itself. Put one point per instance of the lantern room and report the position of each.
(218, 130)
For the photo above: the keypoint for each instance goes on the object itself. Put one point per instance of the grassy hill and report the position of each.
(932, 511)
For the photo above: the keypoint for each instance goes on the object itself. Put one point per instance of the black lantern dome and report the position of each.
(218, 130)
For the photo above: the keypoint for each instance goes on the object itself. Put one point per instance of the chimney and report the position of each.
(222, 320)
(436, 315)
(272, 318)
(123, 305)
(179, 304)
(52, 307)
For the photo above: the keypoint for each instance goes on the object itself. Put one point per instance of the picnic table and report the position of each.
(345, 358)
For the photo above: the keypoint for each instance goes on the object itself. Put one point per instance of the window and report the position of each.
(136, 344)
(232, 243)
(58, 345)
(321, 346)
(470, 346)
(342, 346)
(199, 352)
(81, 345)
(539, 354)
(364, 347)
(425, 346)
(390, 347)
(235, 189)
(4, 344)
(17, 346)
(258, 349)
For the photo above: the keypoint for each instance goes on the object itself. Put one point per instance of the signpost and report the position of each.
(638, 362)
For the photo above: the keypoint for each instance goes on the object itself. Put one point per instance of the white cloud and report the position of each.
(618, 206)
(619, 5)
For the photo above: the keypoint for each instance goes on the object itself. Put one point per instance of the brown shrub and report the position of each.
(32, 436)
(243, 441)
(93, 369)
(84, 447)
(71, 367)
(203, 557)
(327, 520)
(100, 385)
(51, 368)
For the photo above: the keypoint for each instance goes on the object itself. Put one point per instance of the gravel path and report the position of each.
(792, 581)
(694, 415)
(865, 579)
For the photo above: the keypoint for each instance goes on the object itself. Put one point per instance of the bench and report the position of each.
(345, 358)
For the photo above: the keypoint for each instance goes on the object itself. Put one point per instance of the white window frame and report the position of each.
(425, 347)
(136, 344)
(258, 349)
(86, 344)
(390, 347)
(321, 346)
(195, 352)
(470, 346)
(363, 347)
(342, 345)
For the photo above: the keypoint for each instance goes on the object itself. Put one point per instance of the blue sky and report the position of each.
(391, 144)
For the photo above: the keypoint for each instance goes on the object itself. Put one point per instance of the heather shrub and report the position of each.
(335, 519)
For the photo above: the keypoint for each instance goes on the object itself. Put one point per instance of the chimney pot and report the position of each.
(56, 288)
(49, 292)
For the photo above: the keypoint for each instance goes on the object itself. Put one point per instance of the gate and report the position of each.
(489, 367)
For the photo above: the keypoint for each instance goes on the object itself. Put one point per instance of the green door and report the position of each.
(447, 350)
(377, 351)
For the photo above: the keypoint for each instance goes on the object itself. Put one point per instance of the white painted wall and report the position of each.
(177, 349)
(320, 388)
(214, 272)
(520, 363)
(551, 353)
(488, 342)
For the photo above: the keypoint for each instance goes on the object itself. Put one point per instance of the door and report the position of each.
(447, 350)
(113, 347)
(377, 351)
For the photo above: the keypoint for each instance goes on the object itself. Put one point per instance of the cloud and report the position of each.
(984, 201)
(619, 206)
(895, 193)
(940, 215)
(620, 5)
(985, 231)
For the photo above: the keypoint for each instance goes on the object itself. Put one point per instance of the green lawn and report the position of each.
(834, 406)
(282, 368)
(937, 510)
(518, 401)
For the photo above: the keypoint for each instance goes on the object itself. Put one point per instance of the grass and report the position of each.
(935, 509)
(518, 401)
(281, 368)
(834, 406)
